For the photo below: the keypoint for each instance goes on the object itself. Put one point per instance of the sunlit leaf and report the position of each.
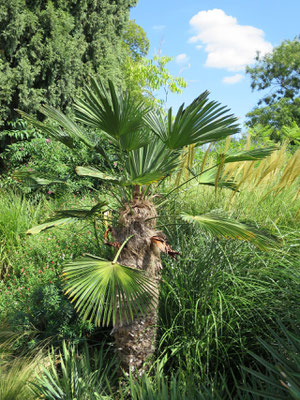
(114, 113)
(63, 217)
(221, 226)
(249, 155)
(50, 224)
(37, 178)
(105, 292)
(200, 122)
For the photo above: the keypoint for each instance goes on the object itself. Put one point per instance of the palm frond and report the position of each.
(34, 178)
(151, 163)
(49, 130)
(249, 155)
(221, 226)
(66, 124)
(105, 291)
(95, 173)
(114, 114)
(209, 178)
(50, 224)
(201, 122)
(64, 129)
(135, 139)
(63, 217)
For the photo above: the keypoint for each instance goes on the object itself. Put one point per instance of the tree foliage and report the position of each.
(49, 48)
(278, 71)
(136, 40)
(278, 75)
(146, 76)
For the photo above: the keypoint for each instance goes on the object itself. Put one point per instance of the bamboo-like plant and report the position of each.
(149, 146)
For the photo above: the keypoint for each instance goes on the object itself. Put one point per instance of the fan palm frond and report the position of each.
(249, 155)
(221, 226)
(209, 178)
(200, 122)
(64, 217)
(114, 114)
(95, 173)
(151, 163)
(33, 178)
(64, 129)
(105, 291)
(50, 224)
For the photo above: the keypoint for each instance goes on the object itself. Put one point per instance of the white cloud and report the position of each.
(230, 80)
(182, 59)
(159, 27)
(199, 46)
(228, 44)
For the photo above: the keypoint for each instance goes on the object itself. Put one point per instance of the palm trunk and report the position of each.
(135, 341)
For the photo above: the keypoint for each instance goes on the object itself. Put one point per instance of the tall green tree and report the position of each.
(277, 75)
(148, 145)
(48, 48)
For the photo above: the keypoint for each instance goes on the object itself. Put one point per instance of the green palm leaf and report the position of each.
(135, 139)
(249, 155)
(34, 178)
(63, 217)
(64, 130)
(151, 163)
(201, 122)
(221, 226)
(209, 178)
(115, 115)
(104, 290)
(50, 224)
(95, 173)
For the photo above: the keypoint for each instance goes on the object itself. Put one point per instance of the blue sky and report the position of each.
(212, 41)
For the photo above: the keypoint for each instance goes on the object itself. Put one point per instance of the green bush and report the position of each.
(31, 296)
(32, 151)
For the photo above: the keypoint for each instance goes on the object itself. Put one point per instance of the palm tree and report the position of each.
(149, 146)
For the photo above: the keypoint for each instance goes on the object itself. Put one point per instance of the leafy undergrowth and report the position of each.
(217, 299)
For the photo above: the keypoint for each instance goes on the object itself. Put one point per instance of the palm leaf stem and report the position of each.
(115, 196)
(146, 191)
(189, 180)
(96, 233)
(121, 248)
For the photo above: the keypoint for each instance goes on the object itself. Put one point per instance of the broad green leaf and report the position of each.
(105, 292)
(221, 226)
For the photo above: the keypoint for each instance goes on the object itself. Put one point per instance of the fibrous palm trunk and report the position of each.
(135, 341)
